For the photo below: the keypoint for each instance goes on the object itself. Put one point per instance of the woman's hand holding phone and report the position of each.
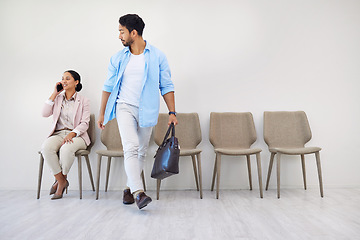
(58, 89)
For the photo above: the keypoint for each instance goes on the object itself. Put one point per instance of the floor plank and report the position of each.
(237, 214)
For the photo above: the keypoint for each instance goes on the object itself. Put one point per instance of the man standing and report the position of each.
(131, 94)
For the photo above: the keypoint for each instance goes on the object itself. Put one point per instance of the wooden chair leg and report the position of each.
(41, 166)
(218, 167)
(269, 171)
(200, 174)
(317, 156)
(158, 183)
(258, 161)
(98, 176)
(303, 169)
(107, 173)
(90, 172)
(214, 175)
(80, 176)
(249, 170)
(278, 174)
(143, 180)
(195, 171)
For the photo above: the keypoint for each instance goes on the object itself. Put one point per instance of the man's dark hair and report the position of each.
(131, 22)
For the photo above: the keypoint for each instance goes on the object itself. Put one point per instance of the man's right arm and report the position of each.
(108, 87)
(104, 100)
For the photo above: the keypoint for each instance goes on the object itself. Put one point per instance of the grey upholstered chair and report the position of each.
(110, 137)
(287, 133)
(78, 155)
(233, 134)
(188, 133)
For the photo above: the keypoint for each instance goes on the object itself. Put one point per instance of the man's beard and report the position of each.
(128, 43)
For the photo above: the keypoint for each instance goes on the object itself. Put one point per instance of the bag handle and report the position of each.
(172, 129)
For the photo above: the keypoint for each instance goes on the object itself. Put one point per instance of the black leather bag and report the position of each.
(167, 156)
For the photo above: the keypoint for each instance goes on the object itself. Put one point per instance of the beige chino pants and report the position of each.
(135, 140)
(61, 157)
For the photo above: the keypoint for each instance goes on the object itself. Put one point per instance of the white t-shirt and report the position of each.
(130, 90)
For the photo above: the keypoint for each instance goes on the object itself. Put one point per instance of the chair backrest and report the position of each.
(110, 136)
(286, 129)
(188, 130)
(232, 130)
(91, 131)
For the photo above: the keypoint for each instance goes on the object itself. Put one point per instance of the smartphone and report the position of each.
(59, 87)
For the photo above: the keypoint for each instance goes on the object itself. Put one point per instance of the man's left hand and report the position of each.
(172, 119)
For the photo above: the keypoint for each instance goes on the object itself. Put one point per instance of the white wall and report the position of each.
(224, 55)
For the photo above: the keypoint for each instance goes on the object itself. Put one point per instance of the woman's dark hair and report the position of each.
(131, 22)
(76, 77)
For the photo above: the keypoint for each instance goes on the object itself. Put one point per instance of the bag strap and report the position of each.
(172, 129)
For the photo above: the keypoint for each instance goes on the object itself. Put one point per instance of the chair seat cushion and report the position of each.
(111, 153)
(189, 152)
(237, 151)
(78, 152)
(295, 151)
(82, 152)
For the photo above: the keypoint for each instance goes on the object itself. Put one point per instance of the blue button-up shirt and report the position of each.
(157, 76)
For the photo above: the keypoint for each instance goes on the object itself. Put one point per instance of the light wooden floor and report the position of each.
(238, 214)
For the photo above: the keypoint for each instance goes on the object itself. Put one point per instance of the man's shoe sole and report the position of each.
(145, 203)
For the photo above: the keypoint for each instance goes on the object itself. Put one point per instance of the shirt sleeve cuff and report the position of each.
(107, 88)
(76, 132)
(166, 90)
(49, 102)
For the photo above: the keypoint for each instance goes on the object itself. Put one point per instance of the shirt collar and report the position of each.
(147, 47)
(73, 97)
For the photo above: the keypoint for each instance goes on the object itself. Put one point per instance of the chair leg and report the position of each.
(41, 166)
(80, 176)
(278, 174)
(317, 156)
(143, 180)
(218, 166)
(269, 171)
(258, 161)
(214, 174)
(98, 177)
(303, 169)
(107, 174)
(200, 175)
(249, 170)
(195, 172)
(90, 172)
(158, 183)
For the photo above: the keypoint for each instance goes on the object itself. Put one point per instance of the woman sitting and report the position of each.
(71, 115)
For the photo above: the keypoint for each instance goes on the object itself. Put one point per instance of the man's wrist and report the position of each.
(172, 112)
